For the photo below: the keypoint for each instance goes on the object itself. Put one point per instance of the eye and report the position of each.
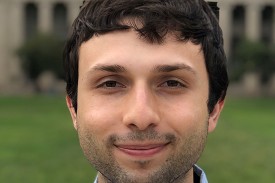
(111, 84)
(172, 84)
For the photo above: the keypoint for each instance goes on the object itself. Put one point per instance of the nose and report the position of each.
(141, 111)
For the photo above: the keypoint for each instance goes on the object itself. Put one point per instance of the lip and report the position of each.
(141, 150)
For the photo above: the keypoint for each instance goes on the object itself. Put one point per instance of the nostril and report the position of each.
(135, 127)
(141, 121)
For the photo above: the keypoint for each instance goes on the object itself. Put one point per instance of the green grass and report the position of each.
(38, 142)
(39, 145)
(242, 149)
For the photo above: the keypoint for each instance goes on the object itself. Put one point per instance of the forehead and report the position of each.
(127, 48)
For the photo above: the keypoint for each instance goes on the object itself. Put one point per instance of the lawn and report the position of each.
(242, 149)
(39, 145)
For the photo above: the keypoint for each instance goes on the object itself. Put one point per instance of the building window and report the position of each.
(31, 14)
(267, 24)
(238, 28)
(60, 20)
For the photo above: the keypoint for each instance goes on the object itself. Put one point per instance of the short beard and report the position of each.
(173, 170)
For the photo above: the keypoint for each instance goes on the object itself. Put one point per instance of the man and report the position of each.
(146, 82)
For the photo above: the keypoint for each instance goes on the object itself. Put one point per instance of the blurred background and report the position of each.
(37, 140)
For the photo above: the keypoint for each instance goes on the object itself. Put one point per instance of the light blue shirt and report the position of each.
(197, 171)
(200, 173)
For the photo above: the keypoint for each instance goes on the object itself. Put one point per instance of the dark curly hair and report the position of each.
(190, 20)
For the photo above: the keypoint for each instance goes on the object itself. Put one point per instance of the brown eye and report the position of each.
(111, 84)
(172, 83)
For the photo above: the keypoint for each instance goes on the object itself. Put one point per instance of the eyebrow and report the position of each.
(110, 68)
(175, 67)
(158, 68)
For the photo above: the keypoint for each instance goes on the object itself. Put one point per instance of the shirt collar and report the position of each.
(197, 170)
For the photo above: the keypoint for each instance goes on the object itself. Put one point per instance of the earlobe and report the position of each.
(72, 111)
(214, 116)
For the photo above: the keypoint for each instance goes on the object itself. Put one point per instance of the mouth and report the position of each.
(141, 150)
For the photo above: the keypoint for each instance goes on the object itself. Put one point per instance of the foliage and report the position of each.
(40, 53)
(253, 57)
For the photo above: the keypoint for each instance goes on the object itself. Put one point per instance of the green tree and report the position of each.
(253, 57)
(40, 53)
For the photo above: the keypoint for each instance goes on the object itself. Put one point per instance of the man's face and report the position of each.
(142, 108)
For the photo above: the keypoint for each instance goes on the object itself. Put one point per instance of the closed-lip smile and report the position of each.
(141, 150)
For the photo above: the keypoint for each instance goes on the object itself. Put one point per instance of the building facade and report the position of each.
(250, 19)
(19, 19)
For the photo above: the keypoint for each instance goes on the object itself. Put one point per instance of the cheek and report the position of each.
(186, 117)
(97, 116)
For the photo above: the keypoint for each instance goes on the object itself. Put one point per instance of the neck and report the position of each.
(187, 178)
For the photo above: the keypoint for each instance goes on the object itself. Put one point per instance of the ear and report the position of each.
(72, 111)
(214, 116)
